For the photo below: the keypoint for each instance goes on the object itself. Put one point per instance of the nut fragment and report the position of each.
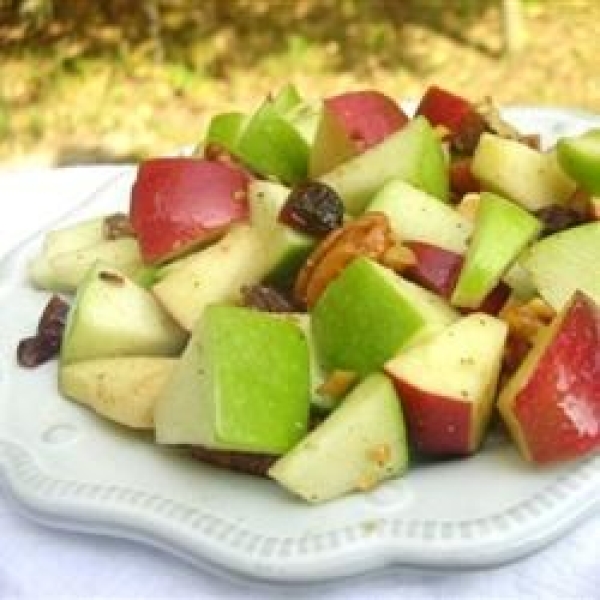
(117, 226)
(398, 258)
(525, 321)
(337, 384)
(369, 235)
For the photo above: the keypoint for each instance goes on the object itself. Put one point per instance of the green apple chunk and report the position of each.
(419, 217)
(413, 154)
(215, 274)
(564, 262)
(287, 98)
(332, 145)
(68, 252)
(113, 316)
(64, 271)
(580, 158)
(532, 178)
(225, 129)
(287, 248)
(320, 401)
(520, 282)
(502, 231)
(123, 389)
(447, 384)
(359, 445)
(242, 384)
(271, 146)
(368, 313)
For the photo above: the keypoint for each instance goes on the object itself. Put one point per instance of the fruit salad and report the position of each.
(324, 290)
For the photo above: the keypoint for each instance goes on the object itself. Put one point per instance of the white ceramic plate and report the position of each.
(69, 468)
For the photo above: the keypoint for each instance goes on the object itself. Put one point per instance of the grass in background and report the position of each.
(118, 80)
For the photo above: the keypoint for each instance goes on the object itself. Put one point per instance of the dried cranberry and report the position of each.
(313, 208)
(558, 218)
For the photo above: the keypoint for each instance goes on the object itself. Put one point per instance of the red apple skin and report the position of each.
(367, 116)
(438, 269)
(494, 302)
(558, 409)
(179, 203)
(444, 108)
(437, 425)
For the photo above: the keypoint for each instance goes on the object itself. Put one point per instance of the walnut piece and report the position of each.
(369, 235)
(525, 321)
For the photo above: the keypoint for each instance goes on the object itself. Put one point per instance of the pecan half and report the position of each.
(369, 235)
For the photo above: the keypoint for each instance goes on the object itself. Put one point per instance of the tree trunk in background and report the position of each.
(513, 22)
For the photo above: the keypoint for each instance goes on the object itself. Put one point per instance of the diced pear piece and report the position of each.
(502, 231)
(417, 216)
(123, 389)
(527, 176)
(414, 154)
(113, 316)
(564, 262)
(361, 443)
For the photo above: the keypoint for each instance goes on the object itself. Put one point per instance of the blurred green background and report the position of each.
(114, 80)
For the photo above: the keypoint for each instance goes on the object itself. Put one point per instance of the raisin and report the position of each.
(36, 350)
(267, 299)
(257, 464)
(465, 139)
(558, 218)
(313, 208)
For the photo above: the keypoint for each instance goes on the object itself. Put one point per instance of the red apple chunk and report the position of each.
(180, 203)
(367, 116)
(552, 403)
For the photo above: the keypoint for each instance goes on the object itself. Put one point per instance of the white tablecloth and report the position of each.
(39, 562)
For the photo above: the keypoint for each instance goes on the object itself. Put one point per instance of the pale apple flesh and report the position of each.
(447, 384)
(551, 405)
(123, 389)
